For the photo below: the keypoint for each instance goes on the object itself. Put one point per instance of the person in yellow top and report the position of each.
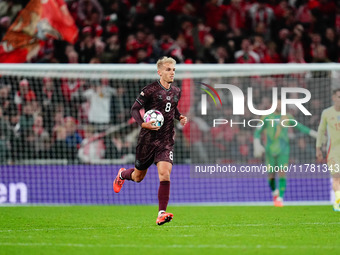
(330, 123)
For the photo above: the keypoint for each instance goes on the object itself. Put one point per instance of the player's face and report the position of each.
(336, 99)
(167, 72)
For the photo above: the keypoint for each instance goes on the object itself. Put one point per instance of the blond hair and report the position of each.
(164, 60)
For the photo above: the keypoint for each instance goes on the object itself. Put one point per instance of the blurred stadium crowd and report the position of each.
(89, 121)
(200, 31)
(62, 118)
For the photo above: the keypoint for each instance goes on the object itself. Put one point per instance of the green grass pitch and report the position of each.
(194, 230)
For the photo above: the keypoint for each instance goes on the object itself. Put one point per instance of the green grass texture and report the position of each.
(194, 230)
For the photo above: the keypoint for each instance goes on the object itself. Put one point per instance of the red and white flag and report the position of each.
(39, 20)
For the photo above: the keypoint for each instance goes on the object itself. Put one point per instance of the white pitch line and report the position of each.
(182, 226)
(43, 229)
(243, 225)
(174, 246)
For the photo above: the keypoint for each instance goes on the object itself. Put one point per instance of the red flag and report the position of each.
(39, 20)
(184, 104)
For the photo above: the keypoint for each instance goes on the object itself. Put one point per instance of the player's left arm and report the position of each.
(178, 116)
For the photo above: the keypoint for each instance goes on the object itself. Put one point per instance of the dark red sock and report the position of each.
(126, 174)
(163, 195)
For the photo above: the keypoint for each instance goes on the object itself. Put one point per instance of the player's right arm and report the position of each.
(135, 113)
(143, 97)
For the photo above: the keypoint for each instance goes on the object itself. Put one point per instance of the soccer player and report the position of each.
(277, 148)
(155, 144)
(330, 122)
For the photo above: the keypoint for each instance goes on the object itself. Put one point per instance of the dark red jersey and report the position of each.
(155, 97)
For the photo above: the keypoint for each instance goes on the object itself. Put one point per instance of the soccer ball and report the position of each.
(154, 115)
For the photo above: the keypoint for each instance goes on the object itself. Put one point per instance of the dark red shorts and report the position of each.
(148, 154)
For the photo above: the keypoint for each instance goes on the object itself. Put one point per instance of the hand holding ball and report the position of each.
(155, 115)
